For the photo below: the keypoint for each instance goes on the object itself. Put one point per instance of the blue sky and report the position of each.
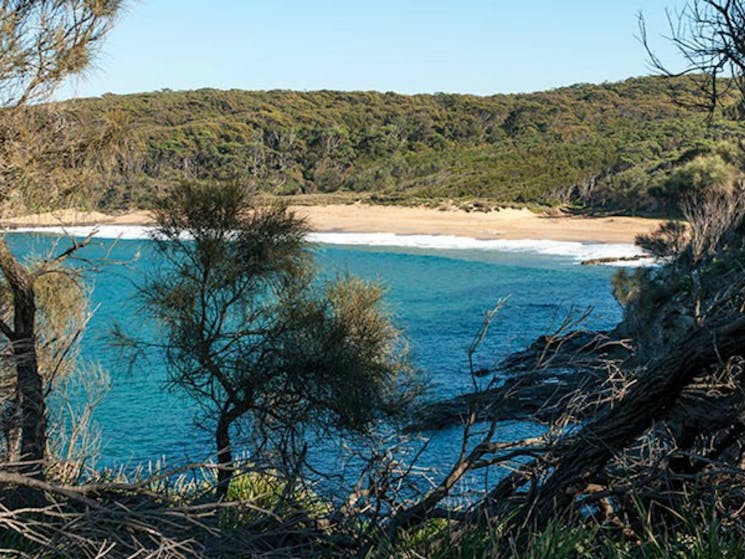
(408, 46)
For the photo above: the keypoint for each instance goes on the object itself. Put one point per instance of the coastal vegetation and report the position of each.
(642, 453)
(593, 147)
(43, 43)
(255, 340)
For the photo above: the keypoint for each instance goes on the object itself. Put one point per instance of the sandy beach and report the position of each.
(362, 218)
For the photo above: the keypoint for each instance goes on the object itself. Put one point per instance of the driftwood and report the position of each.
(127, 520)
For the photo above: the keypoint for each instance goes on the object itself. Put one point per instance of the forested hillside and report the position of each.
(594, 146)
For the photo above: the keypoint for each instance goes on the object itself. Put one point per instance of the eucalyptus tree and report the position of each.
(251, 334)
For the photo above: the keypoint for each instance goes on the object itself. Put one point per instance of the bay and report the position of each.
(437, 296)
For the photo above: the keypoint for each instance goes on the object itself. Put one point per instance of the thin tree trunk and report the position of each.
(225, 466)
(224, 457)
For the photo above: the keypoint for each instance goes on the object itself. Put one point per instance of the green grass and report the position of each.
(698, 536)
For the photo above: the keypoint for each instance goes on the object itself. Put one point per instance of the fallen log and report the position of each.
(537, 381)
(529, 397)
(617, 424)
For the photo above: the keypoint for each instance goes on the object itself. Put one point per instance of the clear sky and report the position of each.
(408, 46)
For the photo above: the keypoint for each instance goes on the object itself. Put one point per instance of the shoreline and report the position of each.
(505, 224)
(584, 240)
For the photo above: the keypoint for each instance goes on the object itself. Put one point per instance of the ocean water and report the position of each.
(437, 290)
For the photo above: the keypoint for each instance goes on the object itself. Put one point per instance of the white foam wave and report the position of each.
(125, 232)
(575, 250)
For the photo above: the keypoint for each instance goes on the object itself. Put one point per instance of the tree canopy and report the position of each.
(595, 146)
(254, 338)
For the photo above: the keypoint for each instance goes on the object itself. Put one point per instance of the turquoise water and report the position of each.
(437, 296)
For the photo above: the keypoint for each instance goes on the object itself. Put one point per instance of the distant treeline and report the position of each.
(591, 146)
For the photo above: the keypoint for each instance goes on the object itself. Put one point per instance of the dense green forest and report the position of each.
(591, 146)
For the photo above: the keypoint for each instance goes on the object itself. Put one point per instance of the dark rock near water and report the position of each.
(613, 259)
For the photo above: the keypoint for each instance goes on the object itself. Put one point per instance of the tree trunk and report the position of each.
(11, 427)
(33, 408)
(29, 384)
(224, 457)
